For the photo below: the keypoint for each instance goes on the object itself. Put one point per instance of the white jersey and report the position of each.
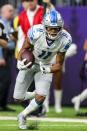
(44, 48)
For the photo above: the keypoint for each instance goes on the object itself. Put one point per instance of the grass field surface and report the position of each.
(66, 121)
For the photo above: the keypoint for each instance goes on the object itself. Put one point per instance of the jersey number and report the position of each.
(44, 54)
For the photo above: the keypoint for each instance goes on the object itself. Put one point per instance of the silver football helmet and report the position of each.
(53, 24)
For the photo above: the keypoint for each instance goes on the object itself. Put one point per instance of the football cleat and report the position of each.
(58, 109)
(22, 122)
(76, 102)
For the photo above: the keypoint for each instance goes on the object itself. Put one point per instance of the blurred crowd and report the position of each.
(7, 42)
(71, 2)
(16, 3)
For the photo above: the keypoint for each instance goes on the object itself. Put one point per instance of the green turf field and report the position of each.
(11, 125)
(43, 126)
(68, 112)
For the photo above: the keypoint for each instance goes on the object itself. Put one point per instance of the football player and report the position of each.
(77, 100)
(50, 43)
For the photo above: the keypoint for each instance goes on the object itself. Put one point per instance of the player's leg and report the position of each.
(23, 81)
(47, 78)
(46, 102)
(58, 91)
(78, 99)
(57, 94)
(42, 85)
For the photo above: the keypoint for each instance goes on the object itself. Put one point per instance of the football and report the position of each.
(28, 55)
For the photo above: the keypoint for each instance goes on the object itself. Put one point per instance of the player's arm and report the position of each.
(32, 36)
(21, 63)
(61, 55)
(59, 63)
(47, 4)
(55, 67)
(3, 43)
(25, 46)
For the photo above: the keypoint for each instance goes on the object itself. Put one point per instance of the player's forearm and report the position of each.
(7, 44)
(3, 43)
(47, 5)
(59, 63)
(56, 67)
(25, 46)
(48, 2)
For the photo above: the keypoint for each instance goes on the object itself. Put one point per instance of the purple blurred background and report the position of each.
(75, 20)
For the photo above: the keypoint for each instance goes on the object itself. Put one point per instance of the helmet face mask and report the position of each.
(52, 32)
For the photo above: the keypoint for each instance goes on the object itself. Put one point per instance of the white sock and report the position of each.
(29, 95)
(46, 103)
(30, 108)
(58, 98)
(83, 95)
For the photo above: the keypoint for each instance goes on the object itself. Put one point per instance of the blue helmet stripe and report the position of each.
(53, 17)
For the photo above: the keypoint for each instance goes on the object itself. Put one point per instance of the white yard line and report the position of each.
(54, 125)
(69, 120)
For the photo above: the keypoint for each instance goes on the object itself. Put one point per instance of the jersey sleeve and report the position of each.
(34, 33)
(66, 43)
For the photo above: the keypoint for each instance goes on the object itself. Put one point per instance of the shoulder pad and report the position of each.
(65, 34)
(35, 32)
(66, 41)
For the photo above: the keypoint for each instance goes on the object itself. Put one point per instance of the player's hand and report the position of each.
(22, 66)
(46, 1)
(44, 69)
